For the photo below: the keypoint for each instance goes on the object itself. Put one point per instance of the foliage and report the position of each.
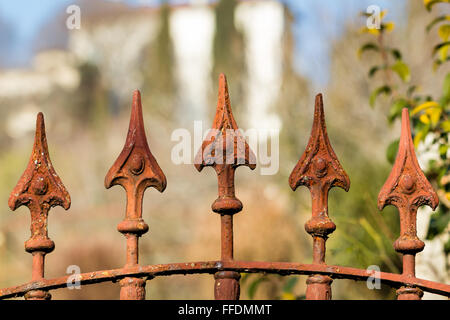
(159, 82)
(430, 115)
(285, 286)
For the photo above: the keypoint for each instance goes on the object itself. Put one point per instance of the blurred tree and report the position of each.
(89, 103)
(159, 85)
(229, 52)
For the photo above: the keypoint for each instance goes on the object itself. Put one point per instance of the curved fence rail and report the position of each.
(225, 149)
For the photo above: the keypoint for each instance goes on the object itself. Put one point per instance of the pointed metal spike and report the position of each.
(407, 188)
(406, 184)
(319, 163)
(39, 183)
(319, 170)
(136, 168)
(225, 143)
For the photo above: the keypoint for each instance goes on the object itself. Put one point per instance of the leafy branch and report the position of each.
(430, 116)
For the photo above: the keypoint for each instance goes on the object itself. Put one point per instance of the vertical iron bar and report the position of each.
(225, 149)
(40, 189)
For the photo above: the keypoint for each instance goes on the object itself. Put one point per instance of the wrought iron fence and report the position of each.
(225, 149)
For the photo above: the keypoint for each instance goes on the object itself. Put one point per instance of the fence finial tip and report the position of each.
(319, 162)
(136, 160)
(224, 131)
(407, 183)
(39, 180)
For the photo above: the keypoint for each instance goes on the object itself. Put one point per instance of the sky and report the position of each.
(317, 22)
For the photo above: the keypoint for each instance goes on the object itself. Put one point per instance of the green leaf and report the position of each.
(254, 285)
(373, 70)
(391, 151)
(438, 223)
(421, 134)
(445, 125)
(244, 277)
(290, 284)
(373, 96)
(444, 32)
(439, 46)
(396, 54)
(366, 47)
(447, 247)
(424, 106)
(437, 20)
(443, 149)
(437, 63)
(430, 3)
(402, 70)
(396, 109)
(411, 90)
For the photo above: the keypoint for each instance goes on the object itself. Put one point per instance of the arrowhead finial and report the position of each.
(39, 188)
(407, 188)
(39, 185)
(406, 184)
(224, 144)
(319, 162)
(319, 170)
(225, 149)
(136, 168)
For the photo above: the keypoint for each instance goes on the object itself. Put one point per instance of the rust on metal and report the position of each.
(319, 170)
(135, 170)
(211, 267)
(39, 188)
(225, 149)
(407, 188)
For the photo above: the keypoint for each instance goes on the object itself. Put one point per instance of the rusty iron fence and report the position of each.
(136, 169)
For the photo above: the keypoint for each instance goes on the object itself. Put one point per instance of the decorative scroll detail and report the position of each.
(407, 188)
(319, 170)
(225, 149)
(135, 170)
(39, 188)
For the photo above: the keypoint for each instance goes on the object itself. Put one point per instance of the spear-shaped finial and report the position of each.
(407, 188)
(225, 149)
(319, 170)
(39, 188)
(135, 170)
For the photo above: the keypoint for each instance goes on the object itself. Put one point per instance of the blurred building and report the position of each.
(115, 39)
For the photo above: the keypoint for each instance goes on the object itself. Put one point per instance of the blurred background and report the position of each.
(277, 56)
